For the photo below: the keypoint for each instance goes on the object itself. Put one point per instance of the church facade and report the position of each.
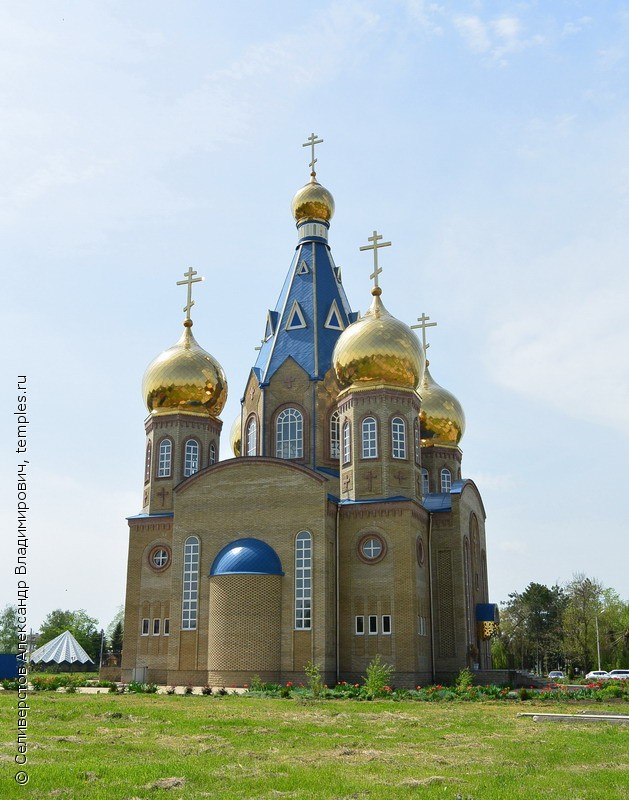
(342, 528)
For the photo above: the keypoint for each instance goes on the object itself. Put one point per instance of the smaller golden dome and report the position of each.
(235, 437)
(441, 418)
(378, 349)
(313, 201)
(185, 378)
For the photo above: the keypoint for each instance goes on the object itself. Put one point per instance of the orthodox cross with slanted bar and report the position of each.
(190, 279)
(377, 244)
(312, 141)
(423, 324)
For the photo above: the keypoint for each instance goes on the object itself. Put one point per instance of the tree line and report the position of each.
(576, 628)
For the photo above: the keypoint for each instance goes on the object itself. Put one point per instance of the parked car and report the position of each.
(597, 675)
(556, 675)
(619, 674)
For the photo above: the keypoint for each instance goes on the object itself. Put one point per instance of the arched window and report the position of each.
(446, 480)
(369, 438)
(165, 458)
(335, 436)
(347, 447)
(190, 595)
(398, 437)
(289, 436)
(212, 458)
(303, 581)
(252, 437)
(417, 442)
(147, 465)
(191, 462)
(425, 481)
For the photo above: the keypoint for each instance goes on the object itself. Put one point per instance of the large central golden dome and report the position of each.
(185, 378)
(378, 349)
(441, 418)
(313, 201)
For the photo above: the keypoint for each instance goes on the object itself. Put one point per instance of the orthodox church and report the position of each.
(342, 528)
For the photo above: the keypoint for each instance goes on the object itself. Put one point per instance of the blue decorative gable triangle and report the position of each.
(271, 324)
(295, 319)
(302, 269)
(333, 320)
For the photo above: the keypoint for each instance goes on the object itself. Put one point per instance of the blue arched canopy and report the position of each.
(247, 557)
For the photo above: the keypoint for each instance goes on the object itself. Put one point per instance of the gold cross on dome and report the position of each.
(312, 141)
(423, 324)
(377, 244)
(190, 279)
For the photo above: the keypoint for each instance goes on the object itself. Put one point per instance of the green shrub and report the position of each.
(314, 678)
(464, 679)
(378, 677)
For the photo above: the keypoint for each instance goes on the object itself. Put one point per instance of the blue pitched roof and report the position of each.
(247, 557)
(313, 283)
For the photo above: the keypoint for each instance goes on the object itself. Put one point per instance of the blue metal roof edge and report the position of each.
(150, 516)
(397, 499)
(327, 471)
(437, 502)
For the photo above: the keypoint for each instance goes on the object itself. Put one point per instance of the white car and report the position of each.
(556, 675)
(597, 675)
(619, 675)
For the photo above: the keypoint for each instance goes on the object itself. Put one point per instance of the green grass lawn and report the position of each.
(124, 747)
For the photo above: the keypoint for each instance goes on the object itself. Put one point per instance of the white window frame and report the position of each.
(386, 624)
(147, 464)
(359, 625)
(212, 457)
(446, 480)
(373, 624)
(166, 626)
(303, 581)
(347, 442)
(425, 481)
(159, 558)
(417, 441)
(156, 626)
(335, 436)
(369, 430)
(398, 438)
(251, 436)
(191, 458)
(145, 627)
(190, 588)
(165, 458)
(289, 434)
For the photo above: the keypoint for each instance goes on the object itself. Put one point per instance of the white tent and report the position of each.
(64, 649)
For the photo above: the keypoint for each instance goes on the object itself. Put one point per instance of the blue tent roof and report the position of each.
(247, 557)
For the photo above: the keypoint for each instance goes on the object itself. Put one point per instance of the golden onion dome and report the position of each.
(378, 349)
(313, 201)
(441, 418)
(235, 437)
(185, 378)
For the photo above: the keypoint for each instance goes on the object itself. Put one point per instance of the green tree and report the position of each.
(530, 625)
(580, 621)
(81, 626)
(115, 631)
(613, 631)
(8, 629)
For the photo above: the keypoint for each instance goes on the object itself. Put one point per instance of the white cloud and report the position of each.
(474, 32)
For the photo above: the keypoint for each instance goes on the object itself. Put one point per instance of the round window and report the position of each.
(159, 557)
(371, 548)
(420, 551)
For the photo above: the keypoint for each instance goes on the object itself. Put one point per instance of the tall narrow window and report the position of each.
(190, 584)
(398, 437)
(425, 481)
(369, 431)
(360, 625)
(446, 480)
(417, 442)
(252, 437)
(212, 459)
(303, 581)
(335, 436)
(386, 624)
(165, 458)
(156, 623)
(147, 465)
(347, 448)
(373, 624)
(191, 462)
(289, 441)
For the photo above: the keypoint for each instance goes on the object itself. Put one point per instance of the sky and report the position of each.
(488, 141)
